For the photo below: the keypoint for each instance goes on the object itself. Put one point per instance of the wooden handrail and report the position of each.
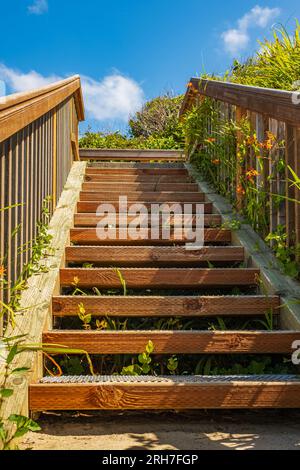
(20, 109)
(269, 112)
(277, 104)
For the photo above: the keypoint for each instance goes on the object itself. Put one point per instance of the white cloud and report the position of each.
(39, 7)
(237, 39)
(114, 97)
(19, 81)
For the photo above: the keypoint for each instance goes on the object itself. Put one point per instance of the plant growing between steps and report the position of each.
(14, 426)
(143, 366)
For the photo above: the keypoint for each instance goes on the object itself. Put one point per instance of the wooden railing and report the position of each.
(266, 110)
(38, 142)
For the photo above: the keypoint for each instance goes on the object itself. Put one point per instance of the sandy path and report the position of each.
(196, 431)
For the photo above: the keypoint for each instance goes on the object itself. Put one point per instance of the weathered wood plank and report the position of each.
(92, 170)
(137, 196)
(19, 110)
(166, 256)
(278, 104)
(92, 206)
(186, 306)
(120, 186)
(176, 342)
(91, 220)
(159, 277)
(132, 155)
(121, 178)
(88, 236)
(163, 396)
(36, 299)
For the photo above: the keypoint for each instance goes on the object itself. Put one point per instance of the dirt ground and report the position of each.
(230, 430)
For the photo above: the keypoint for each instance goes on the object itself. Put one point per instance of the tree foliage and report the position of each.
(157, 117)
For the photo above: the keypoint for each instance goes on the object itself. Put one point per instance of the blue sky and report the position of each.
(128, 51)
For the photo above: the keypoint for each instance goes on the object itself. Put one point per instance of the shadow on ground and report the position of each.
(201, 430)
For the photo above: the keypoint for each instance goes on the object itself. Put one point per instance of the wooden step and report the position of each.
(92, 206)
(88, 236)
(91, 220)
(137, 179)
(137, 196)
(163, 393)
(131, 155)
(159, 277)
(175, 342)
(169, 306)
(143, 255)
(171, 172)
(139, 187)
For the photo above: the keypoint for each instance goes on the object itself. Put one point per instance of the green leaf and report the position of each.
(3, 433)
(22, 422)
(12, 353)
(20, 370)
(6, 392)
(150, 347)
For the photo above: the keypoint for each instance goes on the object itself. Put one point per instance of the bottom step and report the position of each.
(165, 393)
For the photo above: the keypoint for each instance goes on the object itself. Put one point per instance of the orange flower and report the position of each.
(271, 136)
(2, 271)
(216, 161)
(210, 140)
(252, 172)
(189, 85)
(251, 140)
(240, 189)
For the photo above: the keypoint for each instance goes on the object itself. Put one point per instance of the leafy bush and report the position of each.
(116, 140)
(275, 65)
(158, 117)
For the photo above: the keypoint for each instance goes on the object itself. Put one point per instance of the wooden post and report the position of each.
(297, 190)
(54, 176)
(241, 114)
(263, 164)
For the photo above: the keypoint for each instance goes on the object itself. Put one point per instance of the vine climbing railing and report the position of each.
(246, 141)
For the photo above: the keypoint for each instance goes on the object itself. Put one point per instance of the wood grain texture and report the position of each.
(164, 396)
(166, 256)
(120, 186)
(18, 112)
(186, 306)
(92, 206)
(277, 104)
(158, 172)
(35, 301)
(159, 277)
(176, 342)
(132, 155)
(88, 236)
(91, 220)
(137, 196)
(121, 178)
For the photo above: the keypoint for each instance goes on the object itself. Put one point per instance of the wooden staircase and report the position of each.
(199, 282)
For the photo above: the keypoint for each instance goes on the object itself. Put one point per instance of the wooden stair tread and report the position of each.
(175, 342)
(88, 236)
(116, 178)
(168, 306)
(91, 220)
(112, 393)
(152, 171)
(160, 277)
(137, 255)
(131, 155)
(145, 186)
(92, 206)
(137, 196)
